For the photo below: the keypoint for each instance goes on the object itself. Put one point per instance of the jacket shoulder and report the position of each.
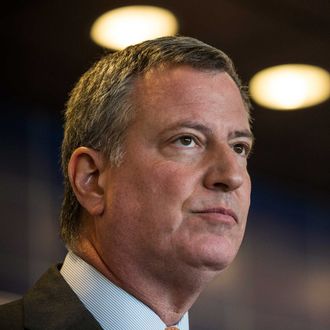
(51, 304)
(11, 315)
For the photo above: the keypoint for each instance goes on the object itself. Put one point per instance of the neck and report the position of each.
(170, 296)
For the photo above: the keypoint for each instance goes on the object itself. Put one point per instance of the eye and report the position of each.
(242, 149)
(185, 141)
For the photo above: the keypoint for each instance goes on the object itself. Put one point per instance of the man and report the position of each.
(157, 191)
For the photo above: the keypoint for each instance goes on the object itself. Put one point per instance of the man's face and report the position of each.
(181, 196)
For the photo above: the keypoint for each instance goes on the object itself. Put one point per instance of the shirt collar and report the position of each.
(111, 306)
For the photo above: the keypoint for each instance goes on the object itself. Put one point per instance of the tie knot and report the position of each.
(172, 328)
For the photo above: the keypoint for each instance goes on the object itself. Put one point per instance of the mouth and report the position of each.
(221, 213)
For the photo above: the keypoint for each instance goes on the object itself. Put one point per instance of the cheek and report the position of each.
(147, 204)
(246, 198)
(162, 189)
(171, 182)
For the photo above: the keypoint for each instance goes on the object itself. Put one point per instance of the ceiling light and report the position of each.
(290, 86)
(130, 25)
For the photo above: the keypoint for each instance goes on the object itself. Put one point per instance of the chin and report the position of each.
(209, 252)
(212, 259)
(217, 264)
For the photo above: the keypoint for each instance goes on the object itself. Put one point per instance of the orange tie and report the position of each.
(172, 328)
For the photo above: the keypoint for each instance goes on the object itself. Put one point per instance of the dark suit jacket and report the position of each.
(49, 305)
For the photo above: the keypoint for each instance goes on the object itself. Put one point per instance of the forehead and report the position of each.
(182, 92)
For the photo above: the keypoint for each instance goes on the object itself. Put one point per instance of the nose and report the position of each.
(226, 170)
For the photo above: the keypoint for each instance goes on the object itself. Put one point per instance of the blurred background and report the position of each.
(281, 277)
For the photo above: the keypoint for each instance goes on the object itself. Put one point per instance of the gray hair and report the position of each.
(99, 108)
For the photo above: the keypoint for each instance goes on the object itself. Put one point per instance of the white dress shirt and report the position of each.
(111, 306)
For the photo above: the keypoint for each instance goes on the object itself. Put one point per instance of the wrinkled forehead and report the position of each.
(170, 74)
(179, 83)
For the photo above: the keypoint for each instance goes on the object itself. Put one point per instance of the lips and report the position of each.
(217, 211)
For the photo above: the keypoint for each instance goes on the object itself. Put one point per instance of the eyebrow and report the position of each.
(245, 133)
(208, 131)
(193, 125)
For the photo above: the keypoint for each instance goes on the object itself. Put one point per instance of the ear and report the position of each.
(85, 168)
